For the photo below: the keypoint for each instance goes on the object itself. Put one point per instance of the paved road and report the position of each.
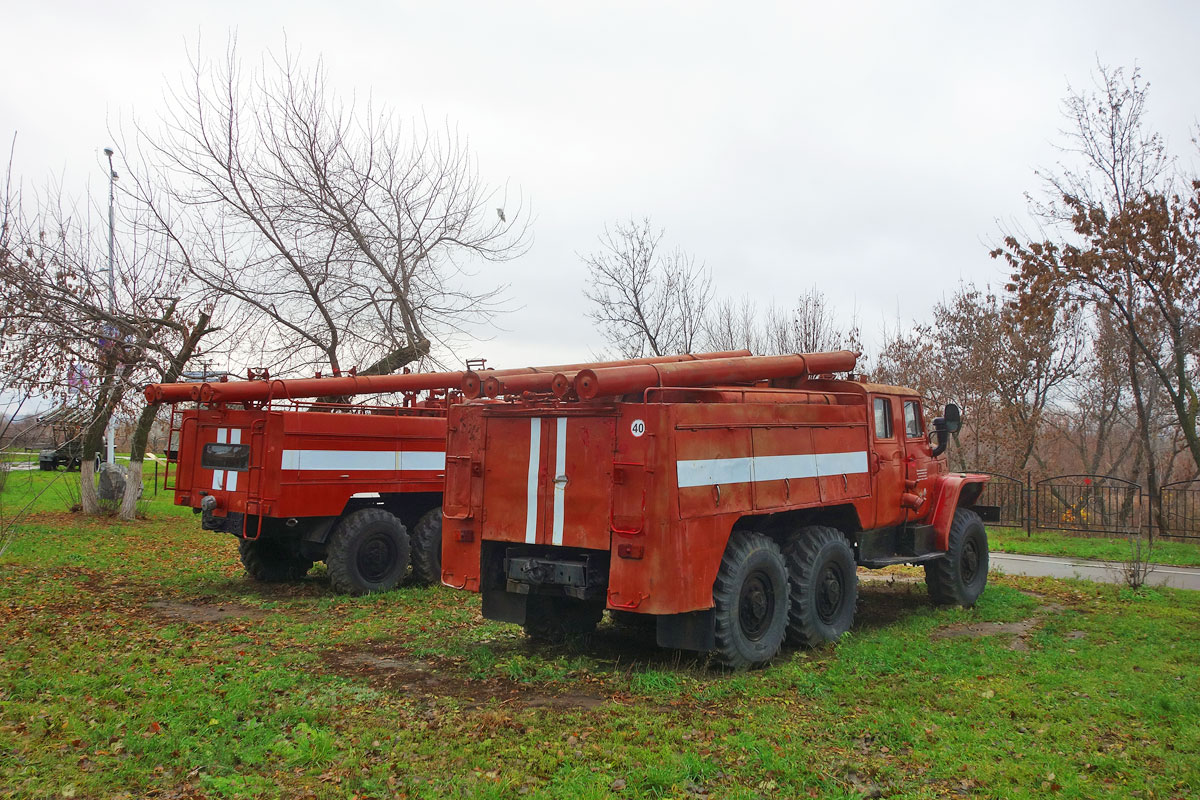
(1102, 571)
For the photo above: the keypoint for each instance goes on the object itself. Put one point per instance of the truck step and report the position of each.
(876, 563)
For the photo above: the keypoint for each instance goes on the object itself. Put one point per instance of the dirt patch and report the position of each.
(1020, 631)
(392, 668)
(875, 576)
(198, 612)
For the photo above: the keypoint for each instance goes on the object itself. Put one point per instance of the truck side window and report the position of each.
(912, 420)
(883, 418)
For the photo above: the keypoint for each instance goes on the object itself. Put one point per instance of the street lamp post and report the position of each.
(112, 279)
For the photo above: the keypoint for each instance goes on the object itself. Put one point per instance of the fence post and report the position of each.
(156, 477)
(1149, 510)
(1028, 504)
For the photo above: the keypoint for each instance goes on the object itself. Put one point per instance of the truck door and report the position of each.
(918, 461)
(554, 484)
(888, 461)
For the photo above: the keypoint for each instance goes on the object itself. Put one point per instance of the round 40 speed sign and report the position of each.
(637, 427)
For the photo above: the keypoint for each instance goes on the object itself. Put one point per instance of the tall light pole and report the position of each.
(112, 277)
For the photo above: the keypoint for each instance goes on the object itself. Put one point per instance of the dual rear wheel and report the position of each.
(370, 550)
(804, 593)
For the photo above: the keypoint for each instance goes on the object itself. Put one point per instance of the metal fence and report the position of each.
(1095, 504)
(1179, 508)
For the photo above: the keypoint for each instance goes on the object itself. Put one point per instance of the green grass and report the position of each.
(140, 661)
(35, 492)
(1105, 548)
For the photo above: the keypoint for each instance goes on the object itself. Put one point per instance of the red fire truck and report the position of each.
(298, 481)
(727, 501)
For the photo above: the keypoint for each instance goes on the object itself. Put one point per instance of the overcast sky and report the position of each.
(865, 149)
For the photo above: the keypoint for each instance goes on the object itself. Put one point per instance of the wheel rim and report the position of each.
(376, 557)
(831, 592)
(968, 562)
(756, 605)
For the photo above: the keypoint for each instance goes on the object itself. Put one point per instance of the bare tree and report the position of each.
(646, 301)
(733, 325)
(347, 231)
(813, 325)
(66, 339)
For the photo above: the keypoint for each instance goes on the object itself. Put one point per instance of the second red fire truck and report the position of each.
(726, 502)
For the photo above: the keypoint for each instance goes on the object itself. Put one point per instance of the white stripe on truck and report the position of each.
(219, 474)
(535, 455)
(235, 437)
(360, 460)
(560, 479)
(709, 471)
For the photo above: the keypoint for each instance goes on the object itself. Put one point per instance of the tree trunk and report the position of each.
(141, 432)
(107, 398)
(133, 482)
(398, 358)
(137, 454)
(93, 442)
(1146, 440)
(393, 361)
(89, 500)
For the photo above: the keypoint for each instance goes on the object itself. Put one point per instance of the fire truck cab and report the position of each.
(728, 503)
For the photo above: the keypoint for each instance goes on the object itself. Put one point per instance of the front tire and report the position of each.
(960, 577)
(272, 560)
(824, 578)
(427, 549)
(750, 599)
(368, 552)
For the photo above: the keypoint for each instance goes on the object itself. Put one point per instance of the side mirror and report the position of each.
(943, 426)
(952, 418)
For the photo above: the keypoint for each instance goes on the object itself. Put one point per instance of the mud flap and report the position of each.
(503, 606)
(692, 630)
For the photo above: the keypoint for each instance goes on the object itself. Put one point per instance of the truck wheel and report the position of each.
(750, 597)
(271, 561)
(553, 619)
(427, 549)
(824, 580)
(367, 553)
(960, 577)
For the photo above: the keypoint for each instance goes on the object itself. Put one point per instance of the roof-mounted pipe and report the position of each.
(296, 388)
(541, 379)
(615, 381)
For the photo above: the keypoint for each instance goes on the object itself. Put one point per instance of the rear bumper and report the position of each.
(234, 522)
(579, 574)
